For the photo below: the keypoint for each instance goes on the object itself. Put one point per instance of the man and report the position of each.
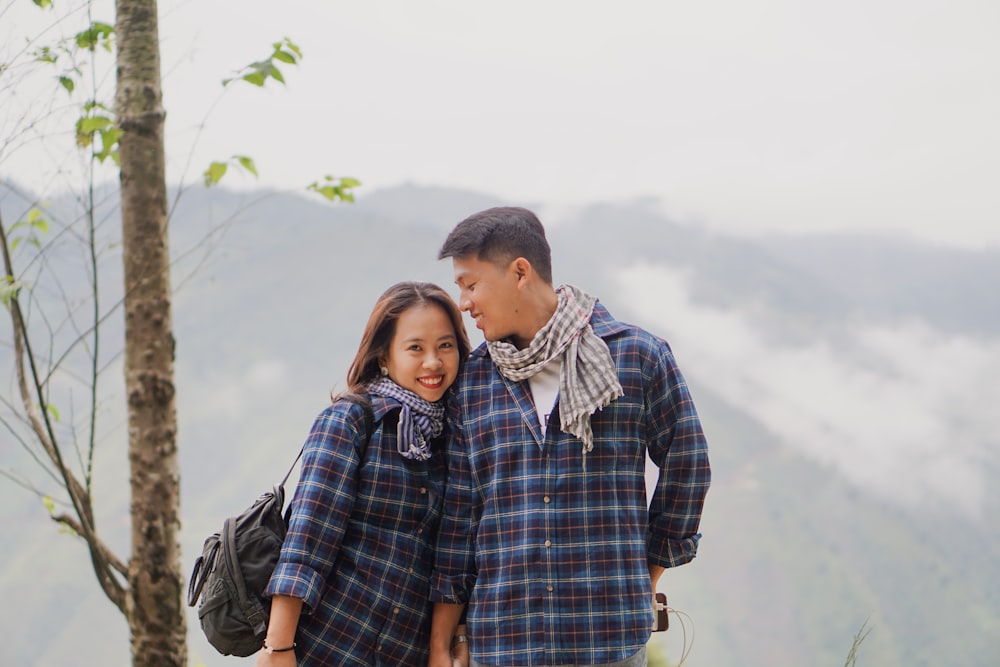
(546, 534)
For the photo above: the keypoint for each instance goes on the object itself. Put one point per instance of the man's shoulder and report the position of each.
(622, 334)
(478, 368)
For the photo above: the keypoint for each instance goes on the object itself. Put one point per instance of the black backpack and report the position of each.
(232, 572)
(234, 567)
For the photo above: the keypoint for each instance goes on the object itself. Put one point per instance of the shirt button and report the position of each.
(411, 570)
(549, 588)
(423, 490)
(548, 543)
(396, 610)
(546, 500)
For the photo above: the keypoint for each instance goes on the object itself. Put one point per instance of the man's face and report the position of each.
(489, 293)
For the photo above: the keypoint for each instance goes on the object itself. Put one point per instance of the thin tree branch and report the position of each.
(112, 560)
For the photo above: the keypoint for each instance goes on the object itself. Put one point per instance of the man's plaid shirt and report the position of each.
(550, 550)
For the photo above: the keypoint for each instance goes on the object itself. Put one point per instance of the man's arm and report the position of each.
(678, 448)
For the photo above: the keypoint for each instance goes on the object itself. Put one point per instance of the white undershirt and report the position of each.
(544, 387)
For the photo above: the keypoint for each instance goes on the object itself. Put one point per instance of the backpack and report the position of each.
(234, 567)
(232, 572)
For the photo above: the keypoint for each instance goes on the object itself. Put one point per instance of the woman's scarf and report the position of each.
(419, 420)
(588, 380)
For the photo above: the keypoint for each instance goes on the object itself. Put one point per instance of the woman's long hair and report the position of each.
(381, 328)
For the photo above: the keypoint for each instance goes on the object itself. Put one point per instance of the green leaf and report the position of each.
(53, 411)
(50, 504)
(276, 74)
(109, 139)
(256, 78)
(87, 126)
(284, 56)
(67, 83)
(214, 173)
(93, 124)
(44, 55)
(246, 163)
(43, 3)
(348, 182)
(13, 244)
(9, 289)
(293, 47)
(36, 220)
(97, 33)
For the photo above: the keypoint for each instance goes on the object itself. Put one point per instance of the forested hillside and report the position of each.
(846, 386)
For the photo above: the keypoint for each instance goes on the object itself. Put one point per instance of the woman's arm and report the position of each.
(284, 619)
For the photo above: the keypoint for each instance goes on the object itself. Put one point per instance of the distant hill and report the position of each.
(845, 384)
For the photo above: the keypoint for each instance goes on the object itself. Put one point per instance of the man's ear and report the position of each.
(522, 270)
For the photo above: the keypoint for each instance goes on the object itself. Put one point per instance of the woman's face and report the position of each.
(423, 355)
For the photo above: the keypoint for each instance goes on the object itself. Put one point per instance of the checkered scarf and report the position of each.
(588, 380)
(419, 420)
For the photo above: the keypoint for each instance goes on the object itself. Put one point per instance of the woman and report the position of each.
(351, 584)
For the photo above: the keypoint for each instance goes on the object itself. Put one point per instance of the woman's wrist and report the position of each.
(270, 647)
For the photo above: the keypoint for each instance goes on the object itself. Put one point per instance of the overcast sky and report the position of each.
(876, 115)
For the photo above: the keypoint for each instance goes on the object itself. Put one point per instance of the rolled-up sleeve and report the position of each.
(678, 447)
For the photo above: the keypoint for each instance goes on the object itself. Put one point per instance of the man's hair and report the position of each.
(499, 236)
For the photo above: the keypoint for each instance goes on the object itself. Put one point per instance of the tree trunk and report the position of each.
(154, 602)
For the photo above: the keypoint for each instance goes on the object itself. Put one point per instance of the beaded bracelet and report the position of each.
(459, 639)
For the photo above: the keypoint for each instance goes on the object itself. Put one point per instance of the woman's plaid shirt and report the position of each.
(552, 553)
(359, 548)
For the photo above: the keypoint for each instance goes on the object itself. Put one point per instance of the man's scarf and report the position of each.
(588, 380)
(419, 420)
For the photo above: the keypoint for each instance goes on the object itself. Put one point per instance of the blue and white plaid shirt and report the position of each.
(551, 555)
(359, 548)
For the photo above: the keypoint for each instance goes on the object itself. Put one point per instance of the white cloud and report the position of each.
(771, 115)
(909, 414)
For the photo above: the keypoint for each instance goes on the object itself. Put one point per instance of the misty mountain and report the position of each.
(845, 383)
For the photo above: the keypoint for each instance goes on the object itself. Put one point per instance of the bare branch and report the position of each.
(104, 562)
(105, 552)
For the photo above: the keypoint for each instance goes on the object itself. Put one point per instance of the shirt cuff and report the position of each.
(451, 589)
(298, 581)
(671, 553)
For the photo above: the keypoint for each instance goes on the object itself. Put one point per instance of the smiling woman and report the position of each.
(370, 495)
(423, 356)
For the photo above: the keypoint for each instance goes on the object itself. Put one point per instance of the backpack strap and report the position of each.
(289, 473)
(252, 610)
